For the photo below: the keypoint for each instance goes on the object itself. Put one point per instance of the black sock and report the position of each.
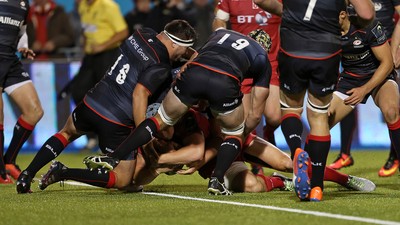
(269, 133)
(22, 131)
(139, 136)
(97, 177)
(394, 133)
(227, 153)
(49, 151)
(2, 166)
(347, 128)
(392, 153)
(317, 148)
(292, 128)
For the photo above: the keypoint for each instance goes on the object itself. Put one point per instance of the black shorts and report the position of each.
(197, 82)
(110, 134)
(319, 77)
(347, 82)
(12, 72)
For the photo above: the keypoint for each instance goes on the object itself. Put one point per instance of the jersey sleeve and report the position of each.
(154, 77)
(224, 5)
(376, 35)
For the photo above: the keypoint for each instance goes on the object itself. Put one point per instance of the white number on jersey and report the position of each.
(310, 9)
(122, 73)
(238, 44)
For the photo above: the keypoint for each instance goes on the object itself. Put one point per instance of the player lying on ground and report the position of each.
(190, 136)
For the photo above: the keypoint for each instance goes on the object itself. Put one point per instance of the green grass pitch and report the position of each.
(74, 204)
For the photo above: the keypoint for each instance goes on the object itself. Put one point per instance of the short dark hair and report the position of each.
(181, 29)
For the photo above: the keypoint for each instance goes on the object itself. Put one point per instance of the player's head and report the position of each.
(182, 36)
(262, 38)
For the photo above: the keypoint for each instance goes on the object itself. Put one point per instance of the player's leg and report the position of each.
(49, 151)
(386, 98)
(27, 100)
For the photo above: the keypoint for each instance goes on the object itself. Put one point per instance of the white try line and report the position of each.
(307, 212)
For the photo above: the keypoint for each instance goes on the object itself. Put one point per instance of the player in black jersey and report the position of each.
(385, 10)
(15, 81)
(140, 76)
(309, 62)
(368, 70)
(215, 75)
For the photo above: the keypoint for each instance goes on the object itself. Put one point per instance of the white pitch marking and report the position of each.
(314, 213)
(307, 212)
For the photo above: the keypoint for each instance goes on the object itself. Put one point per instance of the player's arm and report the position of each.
(383, 54)
(395, 42)
(192, 151)
(23, 44)
(272, 6)
(140, 97)
(259, 96)
(365, 11)
(221, 19)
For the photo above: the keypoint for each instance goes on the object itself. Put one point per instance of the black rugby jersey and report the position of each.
(357, 55)
(13, 15)
(143, 59)
(384, 13)
(237, 55)
(311, 28)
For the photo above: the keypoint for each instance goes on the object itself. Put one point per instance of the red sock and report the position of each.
(271, 182)
(335, 176)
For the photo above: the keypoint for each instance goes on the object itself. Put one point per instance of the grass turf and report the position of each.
(89, 205)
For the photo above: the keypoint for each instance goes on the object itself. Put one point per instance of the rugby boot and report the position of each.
(53, 175)
(100, 161)
(301, 181)
(343, 160)
(360, 184)
(390, 167)
(5, 179)
(287, 182)
(24, 182)
(13, 170)
(217, 188)
(316, 194)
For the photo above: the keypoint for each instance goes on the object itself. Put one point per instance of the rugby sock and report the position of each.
(138, 137)
(269, 133)
(335, 176)
(2, 166)
(347, 128)
(392, 153)
(22, 131)
(292, 128)
(49, 151)
(271, 182)
(394, 133)
(317, 148)
(97, 177)
(227, 153)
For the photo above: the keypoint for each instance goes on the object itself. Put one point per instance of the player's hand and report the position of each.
(188, 171)
(27, 53)
(356, 95)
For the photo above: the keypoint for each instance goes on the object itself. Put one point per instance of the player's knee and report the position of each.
(391, 114)
(34, 114)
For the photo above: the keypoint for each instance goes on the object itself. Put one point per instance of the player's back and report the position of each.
(231, 52)
(311, 28)
(141, 54)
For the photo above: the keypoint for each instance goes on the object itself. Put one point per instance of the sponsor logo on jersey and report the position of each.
(138, 49)
(378, 6)
(357, 43)
(25, 74)
(230, 103)
(3, 0)
(23, 5)
(261, 18)
(10, 21)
